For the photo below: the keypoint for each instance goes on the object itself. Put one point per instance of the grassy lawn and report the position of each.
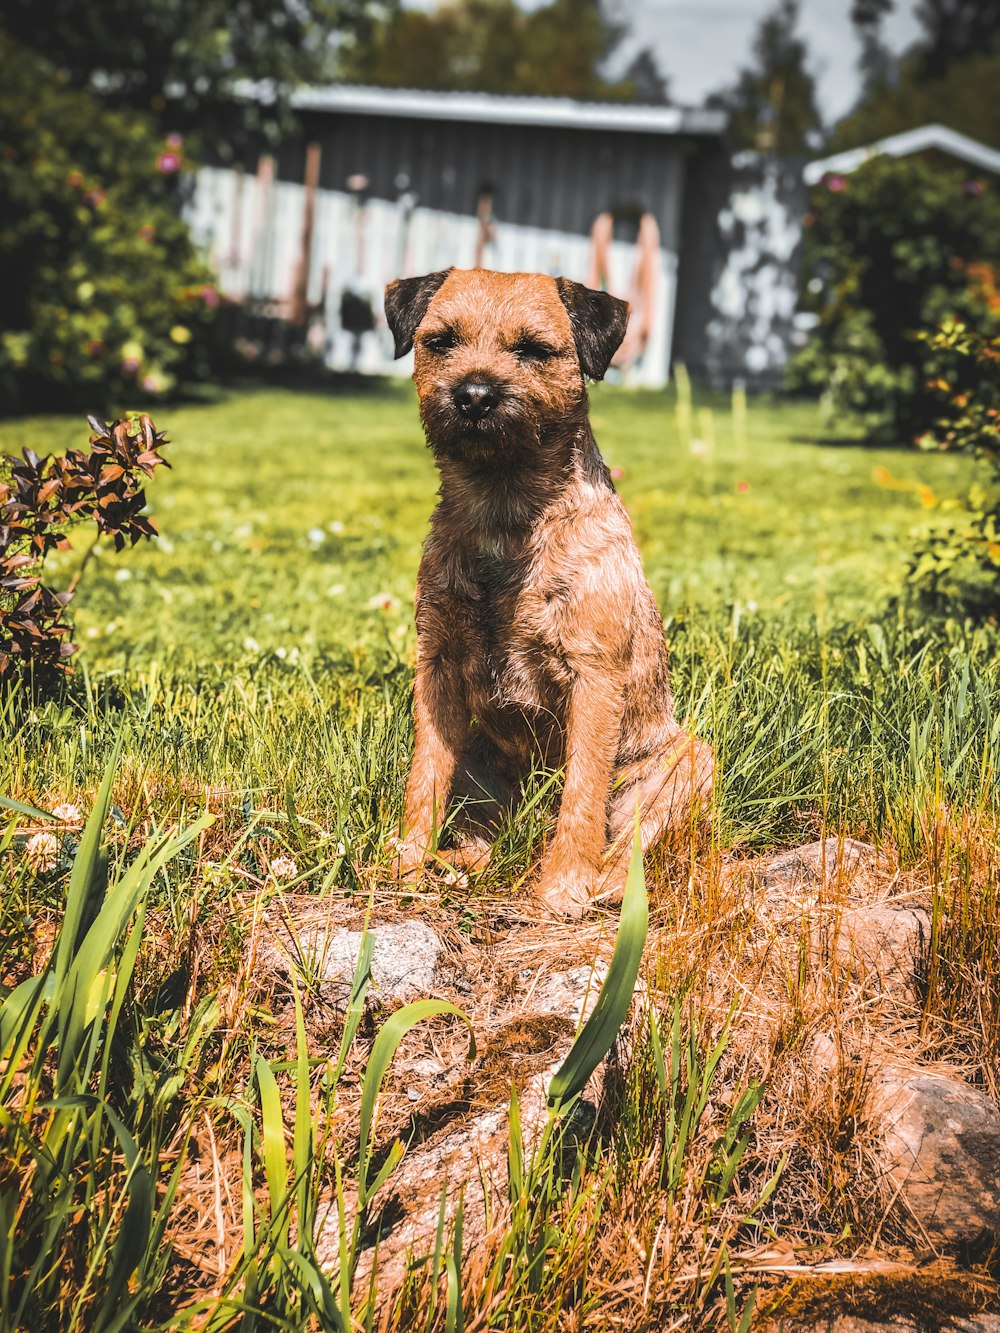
(287, 513)
(257, 661)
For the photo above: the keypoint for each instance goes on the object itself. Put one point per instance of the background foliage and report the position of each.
(949, 75)
(957, 570)
(104, 295)
(497, 46)
(185, 56)
(772, 103)
(888, 252)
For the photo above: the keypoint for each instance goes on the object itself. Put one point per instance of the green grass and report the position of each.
(258, 477)
(257, 660)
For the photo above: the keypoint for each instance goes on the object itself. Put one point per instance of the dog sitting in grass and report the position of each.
(538, 638)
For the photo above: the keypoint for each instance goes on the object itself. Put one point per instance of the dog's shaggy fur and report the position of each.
(538, 636)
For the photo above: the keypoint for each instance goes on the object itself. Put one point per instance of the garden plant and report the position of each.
(891, 250)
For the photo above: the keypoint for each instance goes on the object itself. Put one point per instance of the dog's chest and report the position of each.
(515, 659)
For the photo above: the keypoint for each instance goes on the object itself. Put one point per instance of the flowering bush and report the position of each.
(891, 249)
(104, 295)
(958, 569)
(42, 499)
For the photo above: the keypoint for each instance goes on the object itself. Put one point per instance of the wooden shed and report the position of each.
(380, 183)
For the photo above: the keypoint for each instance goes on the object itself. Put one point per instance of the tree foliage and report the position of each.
(955, 31)
(891, 249)
(950, 74)
(772, 105)
(495, 46)
(104, 295)
(185, 52)
(964, 99)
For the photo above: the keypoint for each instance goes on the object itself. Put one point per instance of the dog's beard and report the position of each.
(508, 434)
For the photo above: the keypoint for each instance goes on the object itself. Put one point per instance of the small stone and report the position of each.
(817, 864)
(403, 962)
(571, 994)
(941, 1150)
(886, 939)
(822, 1056)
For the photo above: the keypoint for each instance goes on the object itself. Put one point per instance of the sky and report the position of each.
(701, 44)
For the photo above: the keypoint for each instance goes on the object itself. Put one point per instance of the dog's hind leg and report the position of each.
(670, 791)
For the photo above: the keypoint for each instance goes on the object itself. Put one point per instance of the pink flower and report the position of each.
(175, 141)
(616, 473)
(95, 198)
(95, 346)
(147, 231)
(742, 486)
(167, 163)
(836, 184)
(67, 813)
(210, 296)
(130, 364)
(283, 867)
(151, 384)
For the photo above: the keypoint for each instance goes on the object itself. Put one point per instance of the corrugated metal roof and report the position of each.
(901, 145)
(562, 112)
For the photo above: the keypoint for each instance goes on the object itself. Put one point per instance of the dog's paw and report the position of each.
(407, 860)
(472, 854)
(566, 893)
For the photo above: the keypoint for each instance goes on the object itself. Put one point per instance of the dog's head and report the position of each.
(500, 358)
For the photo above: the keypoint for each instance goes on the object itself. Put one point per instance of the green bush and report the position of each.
(888, 252)
(104, 296)
(957, 568)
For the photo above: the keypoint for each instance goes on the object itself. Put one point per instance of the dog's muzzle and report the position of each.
(475, 400)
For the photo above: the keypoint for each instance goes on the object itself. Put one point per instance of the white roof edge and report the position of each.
(502, 109)
(910, 141)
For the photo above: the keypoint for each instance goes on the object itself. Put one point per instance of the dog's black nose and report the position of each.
(475, 400)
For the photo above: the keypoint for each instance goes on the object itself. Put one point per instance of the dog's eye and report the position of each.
(439, 343)
(530, 349)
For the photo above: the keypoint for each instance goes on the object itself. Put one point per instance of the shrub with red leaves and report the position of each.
(41, 499)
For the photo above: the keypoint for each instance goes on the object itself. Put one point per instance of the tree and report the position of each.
(772, 105)
(875, 61)
(950, 74)
(496, 46)
(647, 80)
(955, 31)
(189, 53)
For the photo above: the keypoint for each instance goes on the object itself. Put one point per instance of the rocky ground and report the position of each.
(933, 1138)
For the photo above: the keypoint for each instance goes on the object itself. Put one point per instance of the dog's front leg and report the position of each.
(441, 722)
(572, 861)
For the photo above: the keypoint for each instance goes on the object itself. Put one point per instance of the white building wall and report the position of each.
(251, 228)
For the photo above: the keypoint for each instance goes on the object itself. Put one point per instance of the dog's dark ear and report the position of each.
(599, 321)
(406, 302)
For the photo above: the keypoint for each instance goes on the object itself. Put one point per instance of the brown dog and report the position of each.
(538, 636)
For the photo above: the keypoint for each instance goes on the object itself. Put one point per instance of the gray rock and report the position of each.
(403, 965)
(817, 864)
(467, 1158)
(571, 994)
(887, 940)
(941, 1154)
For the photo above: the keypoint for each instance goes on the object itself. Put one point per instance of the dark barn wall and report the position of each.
(554, 178)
